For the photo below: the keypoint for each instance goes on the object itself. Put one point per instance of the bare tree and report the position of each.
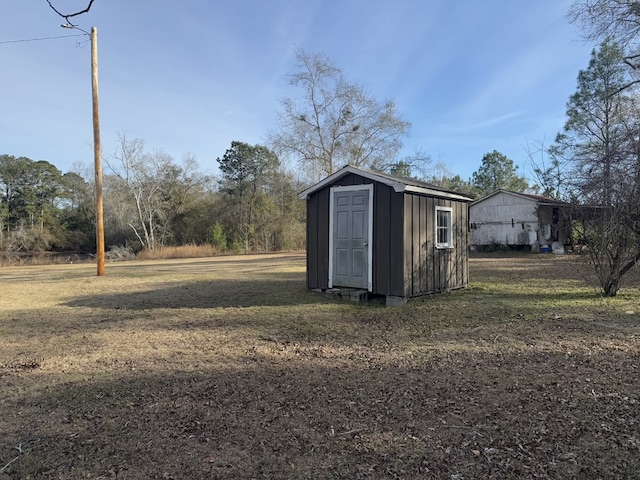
(617, 20)
(336, 122)
(151, 190)
(547, 170)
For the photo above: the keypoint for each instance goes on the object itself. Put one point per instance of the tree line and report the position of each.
(41, 208)
(151, 200)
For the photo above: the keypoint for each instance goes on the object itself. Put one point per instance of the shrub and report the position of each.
(217, 238)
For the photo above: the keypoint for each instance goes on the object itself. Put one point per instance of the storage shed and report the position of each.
(385, 235)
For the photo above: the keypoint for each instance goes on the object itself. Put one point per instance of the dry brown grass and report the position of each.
(228, 367)
(182, 251)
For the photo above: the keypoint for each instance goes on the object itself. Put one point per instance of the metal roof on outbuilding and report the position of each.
(540, 199)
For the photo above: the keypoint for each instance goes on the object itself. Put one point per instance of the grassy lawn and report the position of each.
(228, 367)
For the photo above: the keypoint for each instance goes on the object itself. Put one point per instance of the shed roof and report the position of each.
(539, 199)
(399, 184)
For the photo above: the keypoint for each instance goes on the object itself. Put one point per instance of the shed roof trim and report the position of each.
(399, 184)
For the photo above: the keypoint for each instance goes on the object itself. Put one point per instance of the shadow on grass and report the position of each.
(263, 289)
(311, 416)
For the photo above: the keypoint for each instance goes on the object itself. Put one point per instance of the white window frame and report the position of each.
(449, 242)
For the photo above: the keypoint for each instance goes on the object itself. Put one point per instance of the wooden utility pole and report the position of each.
(97, 153)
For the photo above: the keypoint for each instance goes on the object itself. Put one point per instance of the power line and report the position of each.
(36, 39)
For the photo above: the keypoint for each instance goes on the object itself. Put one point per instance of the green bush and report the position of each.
(217, 238)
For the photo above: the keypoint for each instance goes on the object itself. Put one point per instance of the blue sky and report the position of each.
(192, 76)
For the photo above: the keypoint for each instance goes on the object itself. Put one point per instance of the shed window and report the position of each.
(443, 228)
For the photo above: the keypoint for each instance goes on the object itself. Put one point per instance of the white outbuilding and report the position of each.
(519, 220)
